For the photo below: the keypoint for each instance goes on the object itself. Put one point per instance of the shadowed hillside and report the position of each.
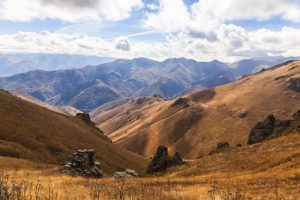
(196, 123)
(31, 132)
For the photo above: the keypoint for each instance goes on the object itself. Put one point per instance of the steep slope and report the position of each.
(67, 110)
(196, 123)
(35, 133)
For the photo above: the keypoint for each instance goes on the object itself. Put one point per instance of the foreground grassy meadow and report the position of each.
(268, 170)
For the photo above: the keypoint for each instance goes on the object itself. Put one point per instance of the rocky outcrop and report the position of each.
(161, 160)
(183, 102)
(3, 192)
(82, 163)
(294, 84)
(128, 173)
(269, 128)
(222, 145)
(86, 118)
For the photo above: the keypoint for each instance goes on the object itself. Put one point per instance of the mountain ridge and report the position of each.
(195, 123)
(92, 86)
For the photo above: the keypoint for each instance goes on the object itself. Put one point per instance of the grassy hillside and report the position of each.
(195, 124)
(268, 170)
(35, 133)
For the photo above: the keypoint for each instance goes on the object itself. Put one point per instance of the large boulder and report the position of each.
(82, 163)
(269, 128)
(294, 84)
(161, 160)
(128, 173)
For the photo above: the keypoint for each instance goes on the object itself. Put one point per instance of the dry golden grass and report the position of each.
(268, 170)
(212, 117)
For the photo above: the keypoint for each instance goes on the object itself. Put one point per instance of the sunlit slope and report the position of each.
(35, 133)
(195, 124)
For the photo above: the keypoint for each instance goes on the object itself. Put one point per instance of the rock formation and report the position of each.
(269, 128)
(294, 84)
(161, 160)
(86, 118)
(222, 145)
(82, 163)
(181, 102)
(128, 173)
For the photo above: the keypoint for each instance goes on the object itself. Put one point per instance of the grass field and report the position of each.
(268, 170)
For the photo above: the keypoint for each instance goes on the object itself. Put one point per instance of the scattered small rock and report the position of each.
(243, 115)
(139, 101)
(222, 145)
(180, 102)
(161, 160)
(128, 173)
(294, 84)
(82, 163)
(269, 128)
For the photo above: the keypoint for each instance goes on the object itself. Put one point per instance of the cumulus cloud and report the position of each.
(204, 30)
(233, 43)
(172, 16)
(67, 10)
(122, 44)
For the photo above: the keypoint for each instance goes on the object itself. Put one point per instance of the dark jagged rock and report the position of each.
(161, 160)
(296, 115)
(139, 101)
(181, 102)
(86, 118)
(294, 84)
(269, 128)
(82, 163)
(3, 192)
(222, 145)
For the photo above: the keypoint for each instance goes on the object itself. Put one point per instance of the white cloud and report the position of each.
(202, 31)
(67, 10)
(122, 44)
(233, 43)
(173, 16)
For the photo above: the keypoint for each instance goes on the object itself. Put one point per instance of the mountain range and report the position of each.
(194, 124)
(92, 86)
(11, 64)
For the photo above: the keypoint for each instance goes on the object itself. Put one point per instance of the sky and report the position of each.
(204, 30)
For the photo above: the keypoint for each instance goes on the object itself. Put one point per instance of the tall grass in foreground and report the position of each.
(32, 185)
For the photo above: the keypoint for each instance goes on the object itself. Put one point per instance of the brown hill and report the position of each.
(35, 133)
(196, 123)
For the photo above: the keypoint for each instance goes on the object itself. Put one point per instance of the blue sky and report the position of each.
(158, 29)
